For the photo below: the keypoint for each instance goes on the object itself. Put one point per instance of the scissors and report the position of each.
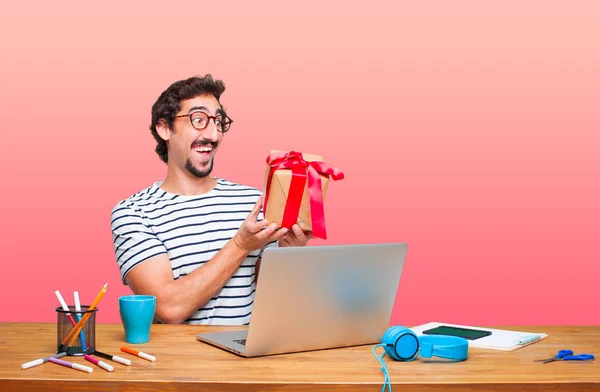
(567, 355)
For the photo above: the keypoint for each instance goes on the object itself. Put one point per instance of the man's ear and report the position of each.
(162, 128)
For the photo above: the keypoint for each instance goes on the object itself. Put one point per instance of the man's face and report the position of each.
(194, 149)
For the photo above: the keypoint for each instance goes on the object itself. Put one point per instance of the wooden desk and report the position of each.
(184, 364)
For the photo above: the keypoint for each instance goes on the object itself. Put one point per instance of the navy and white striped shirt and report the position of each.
(191, 230)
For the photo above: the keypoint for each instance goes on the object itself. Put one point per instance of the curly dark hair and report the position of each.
(169, 103)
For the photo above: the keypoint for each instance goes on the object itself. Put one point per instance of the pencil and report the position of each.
(70, 338)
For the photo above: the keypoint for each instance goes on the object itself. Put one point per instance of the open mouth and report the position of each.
(203, 151)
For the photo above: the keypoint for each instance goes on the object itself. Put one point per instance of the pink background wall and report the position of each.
(471, 131)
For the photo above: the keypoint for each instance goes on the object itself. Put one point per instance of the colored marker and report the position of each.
(138, 353)
(112, 358)
(102, 364)
(78, 309)
(41, 360)
(71, 365)
(63, 304)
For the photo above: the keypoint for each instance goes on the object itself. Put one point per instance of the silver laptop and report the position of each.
(318, 297)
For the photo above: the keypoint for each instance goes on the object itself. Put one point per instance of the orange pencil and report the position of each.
(86, 316)
(70, 338)
(138, 354)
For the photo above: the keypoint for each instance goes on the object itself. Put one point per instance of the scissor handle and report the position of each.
(564, 353)
(580, 357)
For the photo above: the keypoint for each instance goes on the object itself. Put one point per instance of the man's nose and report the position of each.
(211, 131)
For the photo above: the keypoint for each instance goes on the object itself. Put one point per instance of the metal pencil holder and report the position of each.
(64, 327)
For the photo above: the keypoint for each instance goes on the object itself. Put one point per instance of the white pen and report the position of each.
(526, 339)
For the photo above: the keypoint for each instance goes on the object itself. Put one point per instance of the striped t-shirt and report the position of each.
(191, 230)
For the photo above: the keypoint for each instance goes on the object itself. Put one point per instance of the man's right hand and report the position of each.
(253, 235)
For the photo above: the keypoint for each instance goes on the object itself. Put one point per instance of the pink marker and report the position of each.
(63, 304)
(103, 365)
(71, 365)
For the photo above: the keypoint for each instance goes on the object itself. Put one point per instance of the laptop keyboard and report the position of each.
(240, 341)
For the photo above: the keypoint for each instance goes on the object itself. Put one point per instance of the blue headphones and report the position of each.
(402, 344)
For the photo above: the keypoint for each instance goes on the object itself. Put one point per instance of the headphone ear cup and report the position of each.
(389, 341)
(400, 343)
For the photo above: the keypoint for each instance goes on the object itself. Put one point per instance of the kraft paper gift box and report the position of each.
(289, 177)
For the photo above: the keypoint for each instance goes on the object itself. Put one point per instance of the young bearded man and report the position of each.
(193, 240)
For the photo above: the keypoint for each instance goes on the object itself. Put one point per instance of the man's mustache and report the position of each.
(204, 143)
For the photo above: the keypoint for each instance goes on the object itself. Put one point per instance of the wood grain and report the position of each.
(184, 364)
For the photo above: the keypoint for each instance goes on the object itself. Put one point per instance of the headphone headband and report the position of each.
(450, 347)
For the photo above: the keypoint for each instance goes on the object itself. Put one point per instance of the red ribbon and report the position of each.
(301, 169)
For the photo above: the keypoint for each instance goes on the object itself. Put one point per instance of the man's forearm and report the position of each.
(180, 298)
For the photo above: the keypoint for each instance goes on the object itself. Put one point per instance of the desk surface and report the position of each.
(183, 363)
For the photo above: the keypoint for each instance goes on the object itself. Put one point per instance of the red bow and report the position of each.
(300, 170)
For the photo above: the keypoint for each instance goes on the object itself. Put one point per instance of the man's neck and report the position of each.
(185, 184)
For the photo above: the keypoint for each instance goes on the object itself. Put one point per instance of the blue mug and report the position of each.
(137, 314)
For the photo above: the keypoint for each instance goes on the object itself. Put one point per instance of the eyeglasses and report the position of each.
(200, 121)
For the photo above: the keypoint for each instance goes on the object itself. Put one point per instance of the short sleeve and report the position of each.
(133, 240)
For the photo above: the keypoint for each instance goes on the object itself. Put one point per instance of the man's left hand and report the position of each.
(295, 237)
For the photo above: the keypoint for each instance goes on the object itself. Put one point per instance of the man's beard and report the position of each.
(189, 166)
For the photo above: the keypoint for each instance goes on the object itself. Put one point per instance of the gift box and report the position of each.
(295, 188)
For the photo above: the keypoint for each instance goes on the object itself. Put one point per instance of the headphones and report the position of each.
(404, 345)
